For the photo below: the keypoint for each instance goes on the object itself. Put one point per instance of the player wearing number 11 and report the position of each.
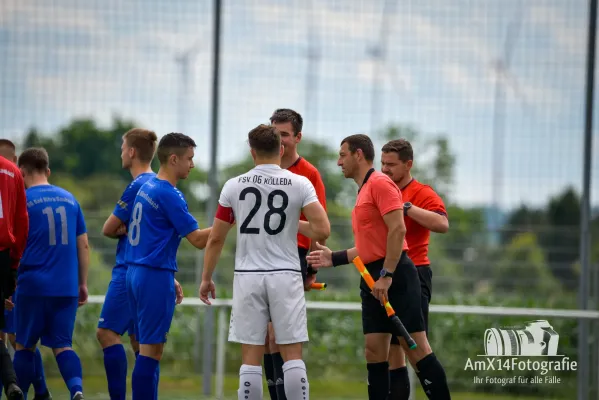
(52, 280)
(159, 220)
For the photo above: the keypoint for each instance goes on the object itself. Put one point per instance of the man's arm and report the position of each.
(112, 227)
(21, 221)
(83, 257)
(430, 211)
(316, 180)
(318, 227)
(199, 237)
(395, 238)
(214, 247)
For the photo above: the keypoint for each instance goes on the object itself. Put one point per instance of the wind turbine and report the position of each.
(185, 61)
(313, 55)
(503, 79)
(378, 53)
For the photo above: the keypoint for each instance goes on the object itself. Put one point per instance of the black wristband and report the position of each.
(311, 271)
(339, 258)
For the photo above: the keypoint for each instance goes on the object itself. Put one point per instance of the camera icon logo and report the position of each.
(535, 338)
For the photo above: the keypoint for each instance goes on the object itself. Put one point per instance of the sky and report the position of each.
(437, 71)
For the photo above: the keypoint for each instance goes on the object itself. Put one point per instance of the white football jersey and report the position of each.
(267, 202)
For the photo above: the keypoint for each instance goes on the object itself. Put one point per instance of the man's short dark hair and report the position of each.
(173, 143)
(402, 147)
(34, 159)
(282, 115)
(361, 142)
(265, 140)
(143, 141)
(8, 143)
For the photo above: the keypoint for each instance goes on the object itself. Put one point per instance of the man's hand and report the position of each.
(122, 230)
(8, 304)
(380, 289)
(178, 291)
(310, 279)
(207, 287)
(82, 295)
(321, 258)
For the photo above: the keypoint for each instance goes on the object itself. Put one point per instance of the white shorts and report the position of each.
(261, 298)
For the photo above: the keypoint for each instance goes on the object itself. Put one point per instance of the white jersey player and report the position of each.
(266, 204)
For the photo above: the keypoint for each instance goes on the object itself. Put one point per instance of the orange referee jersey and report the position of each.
(417, 236)
(304, 168)
(378, 196)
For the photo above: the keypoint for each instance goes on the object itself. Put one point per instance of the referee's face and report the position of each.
(393, 167)
(347, 161)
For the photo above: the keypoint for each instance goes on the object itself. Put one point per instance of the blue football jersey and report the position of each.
(122, 211)
(159, 220)
(50, 264)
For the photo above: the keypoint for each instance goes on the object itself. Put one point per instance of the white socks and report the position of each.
(250, 382)
(296, 380)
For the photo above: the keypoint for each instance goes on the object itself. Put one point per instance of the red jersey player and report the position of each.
(14, 227)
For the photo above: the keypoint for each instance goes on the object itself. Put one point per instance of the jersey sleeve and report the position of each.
(429, 200)
(178, 214)
(318, 184)
(386, 196)
(21, 221)
(122, 209)
(81, 227)
(225, 196)
(308, 192)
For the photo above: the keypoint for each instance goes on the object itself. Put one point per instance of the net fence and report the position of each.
(490, 93)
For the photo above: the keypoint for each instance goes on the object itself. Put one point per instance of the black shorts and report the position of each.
(425, 273)
(404, 296)
(7, 283)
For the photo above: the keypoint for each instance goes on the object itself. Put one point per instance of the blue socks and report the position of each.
(157, 375)
(39, 383)
(24, 364)
(115, 363)
(145, 371)
(69, 365)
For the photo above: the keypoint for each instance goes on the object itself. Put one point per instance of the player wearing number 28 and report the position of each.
(160, 218)
(52, 279)
(266, 202)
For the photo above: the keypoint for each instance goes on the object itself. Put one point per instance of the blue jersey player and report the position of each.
(137, 151)
(159, 220)
(52, 276)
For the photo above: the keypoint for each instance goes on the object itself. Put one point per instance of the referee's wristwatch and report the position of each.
(386, 274)
(406, 206)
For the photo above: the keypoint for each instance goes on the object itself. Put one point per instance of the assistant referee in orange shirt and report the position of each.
(424, 212)
(379, 233)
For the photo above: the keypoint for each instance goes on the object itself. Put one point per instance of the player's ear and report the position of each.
(409, 164)
(48, 173)
(253, 153)
(281, 151)
(298, 137)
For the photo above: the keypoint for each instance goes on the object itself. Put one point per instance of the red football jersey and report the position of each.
(304, 168)
(14, 220)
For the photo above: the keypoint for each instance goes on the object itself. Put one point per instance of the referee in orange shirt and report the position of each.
(290, 124)
(379, 229)
(424, 212)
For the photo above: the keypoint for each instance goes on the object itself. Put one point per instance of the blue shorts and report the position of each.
(116, 314)
(9, 321)
(152, 301)
(51, 319)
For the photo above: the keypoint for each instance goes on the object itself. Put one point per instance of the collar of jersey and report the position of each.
(267, 166)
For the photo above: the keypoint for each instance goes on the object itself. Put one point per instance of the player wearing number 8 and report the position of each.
(52, 280)
(160, 218)
(266, 202)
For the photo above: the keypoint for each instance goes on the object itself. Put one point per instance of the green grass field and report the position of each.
(188, 389)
